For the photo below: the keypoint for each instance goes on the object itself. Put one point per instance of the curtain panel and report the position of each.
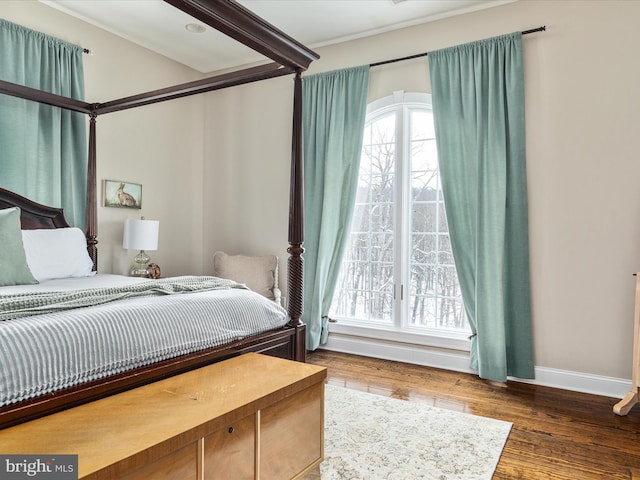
(478, 102)
(44, 148)
(334, 106)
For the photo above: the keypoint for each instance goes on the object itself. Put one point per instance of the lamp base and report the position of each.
(140, 266)
(145, 271)
(140, 270)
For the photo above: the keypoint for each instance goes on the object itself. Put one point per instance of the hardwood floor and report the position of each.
(556, 434)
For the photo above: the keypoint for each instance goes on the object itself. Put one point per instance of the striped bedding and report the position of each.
(46, 352)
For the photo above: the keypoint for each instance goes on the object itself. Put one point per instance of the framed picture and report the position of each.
(116, 193)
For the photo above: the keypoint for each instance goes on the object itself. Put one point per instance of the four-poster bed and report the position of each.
(290, 57)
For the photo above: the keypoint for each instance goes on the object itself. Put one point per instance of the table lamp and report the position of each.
(141, 235)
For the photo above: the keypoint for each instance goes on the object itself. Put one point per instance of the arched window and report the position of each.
(398, 272)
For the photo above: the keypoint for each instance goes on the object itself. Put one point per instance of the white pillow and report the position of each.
(57, 253)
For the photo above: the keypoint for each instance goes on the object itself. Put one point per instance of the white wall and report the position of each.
(248, 156)
(582, 144)
(159, 146)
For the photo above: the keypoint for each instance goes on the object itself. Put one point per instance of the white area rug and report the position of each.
(371, 437)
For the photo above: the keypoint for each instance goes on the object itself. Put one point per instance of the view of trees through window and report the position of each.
(398, 269)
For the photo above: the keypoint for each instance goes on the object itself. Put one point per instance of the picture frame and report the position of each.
(120, 194)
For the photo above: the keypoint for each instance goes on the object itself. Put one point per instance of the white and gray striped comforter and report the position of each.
(44, 353)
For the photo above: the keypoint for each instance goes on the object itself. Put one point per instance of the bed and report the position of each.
(283, 337)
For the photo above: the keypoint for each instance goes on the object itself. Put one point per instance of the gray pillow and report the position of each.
(259, 273)
(13, 262)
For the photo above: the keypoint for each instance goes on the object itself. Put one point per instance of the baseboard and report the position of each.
(459, 362)
(581, 382)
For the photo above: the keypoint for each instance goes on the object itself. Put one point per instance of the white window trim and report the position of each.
(454, 341)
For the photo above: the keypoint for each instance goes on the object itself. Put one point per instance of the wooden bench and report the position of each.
(249, 417)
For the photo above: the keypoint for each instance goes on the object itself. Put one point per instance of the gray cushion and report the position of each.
(259, 273)
(13, 262)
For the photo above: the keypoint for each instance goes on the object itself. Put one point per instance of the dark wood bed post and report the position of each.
(289, 56)
(91, 213)
(295, 264)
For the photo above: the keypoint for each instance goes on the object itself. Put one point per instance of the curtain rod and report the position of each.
(418, 55)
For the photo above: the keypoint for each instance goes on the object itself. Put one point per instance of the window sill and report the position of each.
(454, 341)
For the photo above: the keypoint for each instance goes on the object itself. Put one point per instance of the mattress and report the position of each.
(43, 353)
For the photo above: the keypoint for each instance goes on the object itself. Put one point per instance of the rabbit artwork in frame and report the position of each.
(122, 194)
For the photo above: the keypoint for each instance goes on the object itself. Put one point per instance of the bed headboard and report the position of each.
(33, 215)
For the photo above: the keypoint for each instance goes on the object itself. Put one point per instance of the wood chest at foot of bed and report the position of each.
(249, 417)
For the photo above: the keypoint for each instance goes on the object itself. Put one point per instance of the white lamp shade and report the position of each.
(141, 234)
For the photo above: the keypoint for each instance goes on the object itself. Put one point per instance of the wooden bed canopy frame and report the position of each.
(289, 57)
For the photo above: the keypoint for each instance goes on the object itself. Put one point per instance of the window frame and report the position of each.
(398, 329)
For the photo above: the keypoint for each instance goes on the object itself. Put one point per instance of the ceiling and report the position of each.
(158, 26)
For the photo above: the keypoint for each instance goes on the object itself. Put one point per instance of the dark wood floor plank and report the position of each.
(556, 434)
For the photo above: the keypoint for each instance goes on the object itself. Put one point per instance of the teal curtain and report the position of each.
(44, 148)
(334, 106)
(478, 102)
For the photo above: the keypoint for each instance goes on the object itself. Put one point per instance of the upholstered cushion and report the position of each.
(13, 262)
(57, 253)
(259, 273)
